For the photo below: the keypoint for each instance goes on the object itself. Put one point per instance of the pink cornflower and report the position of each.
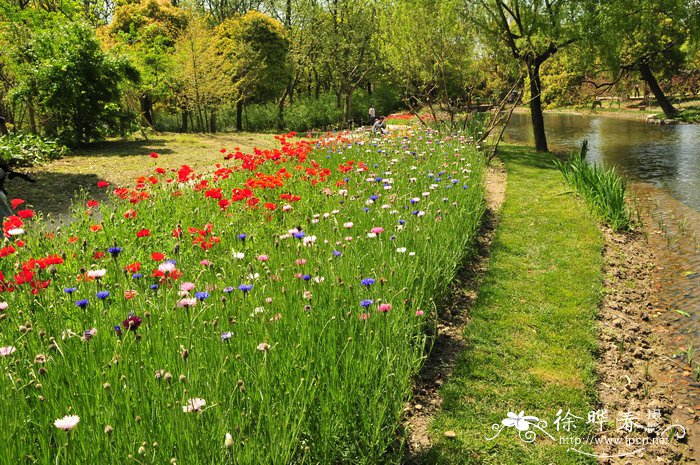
(384, 307)
(3, 306)
(377, 230)
(194, 404)
(5, 351)
(419, 312)
(67, 423)
(205, 263)
(263, 258)
(363, 316)
(187, 286)
(263, 347)
(300, 261)
(96, 274)
(187, 303)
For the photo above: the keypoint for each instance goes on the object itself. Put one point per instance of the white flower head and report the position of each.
(67, 423)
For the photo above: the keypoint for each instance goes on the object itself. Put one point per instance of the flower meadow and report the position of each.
(270, 310)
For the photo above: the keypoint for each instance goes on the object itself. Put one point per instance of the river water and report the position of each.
(668, 157)
(662, 164)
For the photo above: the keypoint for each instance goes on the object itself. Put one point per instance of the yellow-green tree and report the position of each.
(202, 75)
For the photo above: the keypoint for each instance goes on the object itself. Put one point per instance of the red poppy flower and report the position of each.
(222, 150)
(92, 203)
(72, 240)
(96, 227)
(270, 206)
(143, 233)
(98, 255)
(157, 256)
(160, 170)
(16, 203)
(130, 214)
(133, 267)
(25, 213)
(153, 155)
(102, 184)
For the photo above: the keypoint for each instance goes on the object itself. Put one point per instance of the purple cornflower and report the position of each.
(366, 303)
(226, 336)
(228, 289)
(245, 287)
(132, 323)
(299, 235)
(367, 282)
(102, 295)
(82, 303)
(115, 251)
(69, 290)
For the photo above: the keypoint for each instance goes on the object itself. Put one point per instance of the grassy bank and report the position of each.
(532, 335)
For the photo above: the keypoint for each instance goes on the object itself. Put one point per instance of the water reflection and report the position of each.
(665, 156)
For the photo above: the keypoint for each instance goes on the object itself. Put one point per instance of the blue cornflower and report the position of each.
(373, 197)
(118, 330)
(242, 236)
(392, 238)
(115, 251)
(154, 286)
(228, 289)
(465, 187)
(337, 253)
(366, 209)
(402, 221)
(366, 303)
(299, 234)
(201, 295)
(379, 179)
(245, 287)
(137, 276)
(455, 181)
(82, 303)
(174, 262)
(415, 212)
(438, 179)
(102, 295)
(69, 290)
(367, 282)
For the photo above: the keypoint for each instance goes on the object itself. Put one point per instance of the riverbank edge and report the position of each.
(634, 363)
(652, 118)
(529, 332)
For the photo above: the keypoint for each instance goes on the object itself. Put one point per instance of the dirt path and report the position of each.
(449, 341)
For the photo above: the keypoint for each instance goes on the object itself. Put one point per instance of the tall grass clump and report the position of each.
(269, 310)
(602, 188)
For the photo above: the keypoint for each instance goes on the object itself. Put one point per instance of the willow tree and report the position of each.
(648, 37)
(202, 74)
(433, 62)
(533, 31)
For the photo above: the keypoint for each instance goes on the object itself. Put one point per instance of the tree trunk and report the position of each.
(212, 121)
(346, 106)
(239, 115)
(3, 126)
(32, 119)
(369, 88)
(147, 108)
(280, 111)
(536, 114)
(669, 110)
(338, 97)
(185, 116)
